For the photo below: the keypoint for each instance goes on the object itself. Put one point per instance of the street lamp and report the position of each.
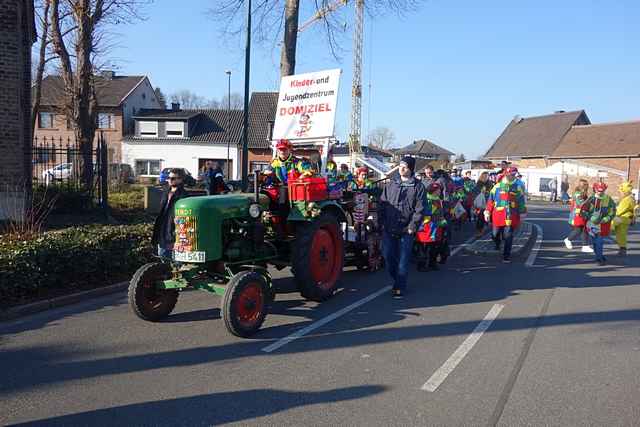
(228, 72)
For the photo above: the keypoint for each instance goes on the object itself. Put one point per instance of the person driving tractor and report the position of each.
(284, 162)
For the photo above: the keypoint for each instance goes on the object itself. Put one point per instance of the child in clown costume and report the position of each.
(431, 235)
(362, 181)
(624, 216)
(576, 219)
(600, 212)
(505, 208)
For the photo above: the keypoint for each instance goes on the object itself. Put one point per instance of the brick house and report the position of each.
(17, 34)
(262, 115)
(119, 99)
(568, 146)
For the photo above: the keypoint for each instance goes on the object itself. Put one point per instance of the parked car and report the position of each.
(58, 172)
(189, 180)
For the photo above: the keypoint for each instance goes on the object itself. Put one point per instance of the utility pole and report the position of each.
(356, 88)
(228, 72)
(245, 118)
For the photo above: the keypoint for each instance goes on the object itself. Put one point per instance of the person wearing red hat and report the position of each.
(284, 162)
(362, 181)
(600, 212)
(431, 235)
(505, 208)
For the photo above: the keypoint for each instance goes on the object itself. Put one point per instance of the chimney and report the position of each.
(107, 74)
(175, 106)
(270, 123)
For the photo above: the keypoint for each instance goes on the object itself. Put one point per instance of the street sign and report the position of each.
(307, 105)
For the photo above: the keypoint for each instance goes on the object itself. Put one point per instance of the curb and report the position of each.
(518, 248)
(40, 306)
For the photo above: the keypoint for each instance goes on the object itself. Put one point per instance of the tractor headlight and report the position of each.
(254, 210)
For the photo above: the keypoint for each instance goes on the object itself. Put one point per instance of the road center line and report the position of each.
(315, 325)
(443, 372)
(536, 247)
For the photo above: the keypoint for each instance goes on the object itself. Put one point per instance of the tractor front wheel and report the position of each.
(244, 304)
(147, 301)
(318, 257)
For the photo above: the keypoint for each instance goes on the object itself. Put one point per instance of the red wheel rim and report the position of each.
(249, 304)
(325, 257)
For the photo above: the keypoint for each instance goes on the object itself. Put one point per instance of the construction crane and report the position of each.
(355, 146)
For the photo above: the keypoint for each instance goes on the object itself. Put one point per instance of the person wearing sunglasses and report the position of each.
(164, 228)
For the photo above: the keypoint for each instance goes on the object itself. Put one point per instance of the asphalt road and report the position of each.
(559, 345)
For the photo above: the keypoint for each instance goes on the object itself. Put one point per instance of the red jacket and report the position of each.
(506, 203)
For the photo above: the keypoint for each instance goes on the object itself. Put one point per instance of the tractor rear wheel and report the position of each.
(147, 301)
(245, 302)
(318, 257)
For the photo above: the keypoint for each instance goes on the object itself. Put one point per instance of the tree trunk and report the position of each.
(42, 60)
(288, 56)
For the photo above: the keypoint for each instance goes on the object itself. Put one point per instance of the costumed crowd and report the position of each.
(417, 212)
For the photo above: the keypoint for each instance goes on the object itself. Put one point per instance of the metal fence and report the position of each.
(58, 162)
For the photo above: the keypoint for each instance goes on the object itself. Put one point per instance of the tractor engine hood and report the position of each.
(199, 221)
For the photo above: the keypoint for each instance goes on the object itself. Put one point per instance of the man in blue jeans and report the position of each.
(400, 215)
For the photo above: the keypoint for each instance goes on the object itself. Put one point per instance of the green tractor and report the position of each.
(225, 244)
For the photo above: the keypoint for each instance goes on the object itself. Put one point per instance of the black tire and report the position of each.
(318, 257)
(245, 302)
(146, 300)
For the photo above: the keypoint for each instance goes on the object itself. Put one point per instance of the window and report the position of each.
(45, 120)
(106, 121)
(148, 167)
(175, 129)
(148, 129)
(259, 166)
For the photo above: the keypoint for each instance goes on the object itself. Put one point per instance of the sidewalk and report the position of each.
(484, 246)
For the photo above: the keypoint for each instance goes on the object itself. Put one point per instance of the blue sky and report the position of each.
(454, 72)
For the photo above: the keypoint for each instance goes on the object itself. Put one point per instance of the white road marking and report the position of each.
(443, 372)
(315, 325)
(459, 247)
(536, 247)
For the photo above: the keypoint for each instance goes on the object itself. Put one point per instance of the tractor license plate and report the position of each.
(189, 256)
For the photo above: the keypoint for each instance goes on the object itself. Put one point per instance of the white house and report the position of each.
(183, 139)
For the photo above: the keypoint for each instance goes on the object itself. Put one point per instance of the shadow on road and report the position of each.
(462, 283)
(209, 409)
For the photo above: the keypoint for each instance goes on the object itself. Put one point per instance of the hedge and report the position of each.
(73, 258)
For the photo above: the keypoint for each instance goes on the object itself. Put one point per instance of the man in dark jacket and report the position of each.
(400, 216)
(213, 178)
(164, 228)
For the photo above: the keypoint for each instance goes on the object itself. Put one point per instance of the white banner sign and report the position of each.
(307, 105)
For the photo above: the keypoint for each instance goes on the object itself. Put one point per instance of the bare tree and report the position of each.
(278, 20)
(381, 137)
(237, 101)
(80, 36)
(190, 100)
(460, 158)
